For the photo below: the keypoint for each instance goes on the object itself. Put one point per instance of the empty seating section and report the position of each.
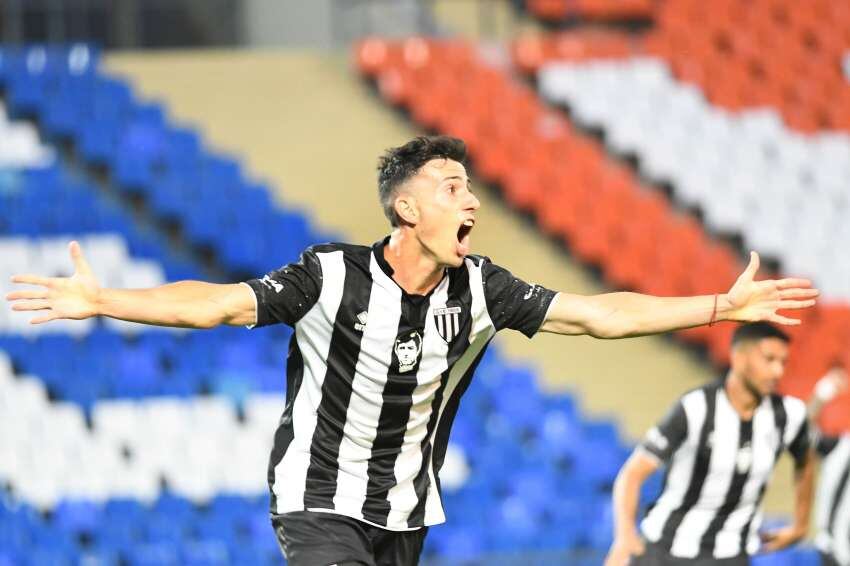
(124, 444)
(764, 53)
(530, 52)
(784, 192)
(596, 204)
(207, 194)
(761, 53)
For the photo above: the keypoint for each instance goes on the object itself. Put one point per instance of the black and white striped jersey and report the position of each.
(832, 505)
(717, 469)
(375, 375)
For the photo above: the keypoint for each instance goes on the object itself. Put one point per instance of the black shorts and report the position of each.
(827, 560)
(657, 556)
(312, 538)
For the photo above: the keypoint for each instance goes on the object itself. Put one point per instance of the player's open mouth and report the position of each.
(463, 236)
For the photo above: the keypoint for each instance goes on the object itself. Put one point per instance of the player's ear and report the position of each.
(406, 208)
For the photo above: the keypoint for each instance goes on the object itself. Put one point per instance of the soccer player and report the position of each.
(832, 504)
(720, 443)
(386, 340)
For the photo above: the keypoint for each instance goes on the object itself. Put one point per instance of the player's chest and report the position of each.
(404, 337)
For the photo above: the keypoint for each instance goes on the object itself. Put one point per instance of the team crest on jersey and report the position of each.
(408, 349)
(447, 321)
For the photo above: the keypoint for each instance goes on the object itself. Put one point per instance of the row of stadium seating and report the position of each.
(146, 155)
(785, 193)
(596, 204)
(710, 156)
(753, 54)
(94, 416)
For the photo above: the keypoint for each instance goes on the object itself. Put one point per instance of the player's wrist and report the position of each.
(724, 309)
(99, 302)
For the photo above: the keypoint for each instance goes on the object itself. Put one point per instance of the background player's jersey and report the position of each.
(374, 377)
(832, 508)
(717, 469)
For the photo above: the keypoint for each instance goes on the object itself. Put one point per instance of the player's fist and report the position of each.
(831, 385)
(624, 549)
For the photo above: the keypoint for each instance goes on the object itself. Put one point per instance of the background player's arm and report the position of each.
(827, 388)
(189, 304)
(627, 540)
(804, 480)
(620, 315)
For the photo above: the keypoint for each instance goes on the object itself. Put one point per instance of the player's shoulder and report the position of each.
(703, 391)
(476, 260)
(353, 250)
(793, 405)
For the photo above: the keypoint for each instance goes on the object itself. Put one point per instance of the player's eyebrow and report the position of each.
(459, 178)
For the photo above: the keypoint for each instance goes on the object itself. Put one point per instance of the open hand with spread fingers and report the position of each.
(72, 297)
(750, 301)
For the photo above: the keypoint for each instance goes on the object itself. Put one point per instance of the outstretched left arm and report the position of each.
(622, 315)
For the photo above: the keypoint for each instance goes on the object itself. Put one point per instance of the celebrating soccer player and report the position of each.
(386, 340)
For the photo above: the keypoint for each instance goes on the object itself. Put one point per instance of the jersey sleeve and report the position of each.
(824, 444)
(286, 294)
(799, 446)
(798, 438)
(513, 303)
(667, 436)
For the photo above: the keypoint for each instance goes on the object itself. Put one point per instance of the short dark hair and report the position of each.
(398, 164)
(755, 331)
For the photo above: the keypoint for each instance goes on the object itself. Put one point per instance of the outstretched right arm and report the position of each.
(187, 304)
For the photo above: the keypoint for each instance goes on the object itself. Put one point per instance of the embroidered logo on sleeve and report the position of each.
(272, 284)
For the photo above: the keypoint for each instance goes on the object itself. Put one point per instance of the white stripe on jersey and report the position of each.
(841, 546)
(370, 377)
(795, 409)
(833, 467)
(481, 333)
(314, 339)
(681, 468)
(765, 437)
(435, 350)
(724, 448)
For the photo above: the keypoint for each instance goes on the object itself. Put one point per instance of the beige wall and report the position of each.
(303, 121)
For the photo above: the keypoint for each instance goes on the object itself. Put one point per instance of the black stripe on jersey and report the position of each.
(837, 497)
(395, 414)
(733, 495)
(285, 433)
(701, 465)
(780, 421)
(441, 439)
(458, 291)
(344, 350)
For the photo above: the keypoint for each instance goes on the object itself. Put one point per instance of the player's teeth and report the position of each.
(468, 223)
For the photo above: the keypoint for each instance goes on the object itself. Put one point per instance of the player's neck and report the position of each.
(413, 270)
(743, 400)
